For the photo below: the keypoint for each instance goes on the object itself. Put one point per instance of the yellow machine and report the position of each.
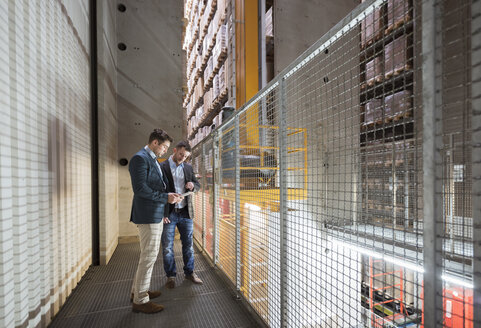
(259, 193)
(259, 198)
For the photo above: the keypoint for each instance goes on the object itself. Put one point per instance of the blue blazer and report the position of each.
(150, 190)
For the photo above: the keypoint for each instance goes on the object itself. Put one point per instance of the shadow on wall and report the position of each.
(57, 161)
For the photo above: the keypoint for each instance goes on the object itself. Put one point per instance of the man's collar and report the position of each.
(171, 162)
(151, 153)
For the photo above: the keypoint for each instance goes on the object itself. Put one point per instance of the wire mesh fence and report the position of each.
(455, 110)
(342, 194)
(198, 164)
(203, 164)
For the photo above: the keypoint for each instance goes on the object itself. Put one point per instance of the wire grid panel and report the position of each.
(323, 277)
(226, 202)
(259, 208)
(208, 192)
(456, 153)
(354, 224)
(197, 198)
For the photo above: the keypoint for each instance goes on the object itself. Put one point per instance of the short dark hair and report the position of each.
(159, 135)
(184, 144)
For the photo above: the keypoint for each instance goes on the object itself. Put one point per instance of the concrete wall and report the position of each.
(298, 24)
(108, 128)
(318, 101)
(45, 167)
(149, 83)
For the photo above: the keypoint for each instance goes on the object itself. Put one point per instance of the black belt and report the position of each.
(179, 210)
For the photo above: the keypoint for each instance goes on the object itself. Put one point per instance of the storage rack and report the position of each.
(208, 69)
(388, 165)
(387, 124)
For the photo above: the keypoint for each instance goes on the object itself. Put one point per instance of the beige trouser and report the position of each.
(150, 235)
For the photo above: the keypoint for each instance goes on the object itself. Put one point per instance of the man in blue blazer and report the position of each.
(148, 206)
(181, 179)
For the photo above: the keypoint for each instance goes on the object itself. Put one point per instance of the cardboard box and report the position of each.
(373, 111)
(371, 27)
(222, 85)
(398, 56)
(208, 99)
(226, 74)
(220, 48)
(374, 72)
(398, 12)
(398, 105)
(215, 86)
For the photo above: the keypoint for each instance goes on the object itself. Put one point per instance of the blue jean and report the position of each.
(185, 225)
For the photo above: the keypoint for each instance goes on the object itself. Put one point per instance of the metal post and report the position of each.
(94, 135)
(203, 185)
(263, 121)
(283, 197)
(231, 55)
(262, 44)
(237, 206)
(217, 177)
(476, 153)
(432, 162)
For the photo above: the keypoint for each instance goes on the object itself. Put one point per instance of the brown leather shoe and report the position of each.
(148, 307)
(170, 283)
(194, 278)
(152, 294)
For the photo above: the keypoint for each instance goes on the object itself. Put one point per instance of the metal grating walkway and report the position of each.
(102, 298)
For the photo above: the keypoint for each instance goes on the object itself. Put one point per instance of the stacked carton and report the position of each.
(373, 112)
(221, 9)
(220, 48)
(205, 46)
(398, 55)
(227, 76)
(217, 121)
(374, 73)
(398, 105)
(216, 20)
(221, 79)
(371, 27)
(198, 90)
(208, 100)
(215, 87)
(398, 13)
(205, 42)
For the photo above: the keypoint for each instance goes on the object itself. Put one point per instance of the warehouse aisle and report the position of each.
(102, 298)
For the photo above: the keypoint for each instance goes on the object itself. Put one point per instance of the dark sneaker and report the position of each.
(170, 282)
(152, 294)
(194, 278)
(148, 307)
